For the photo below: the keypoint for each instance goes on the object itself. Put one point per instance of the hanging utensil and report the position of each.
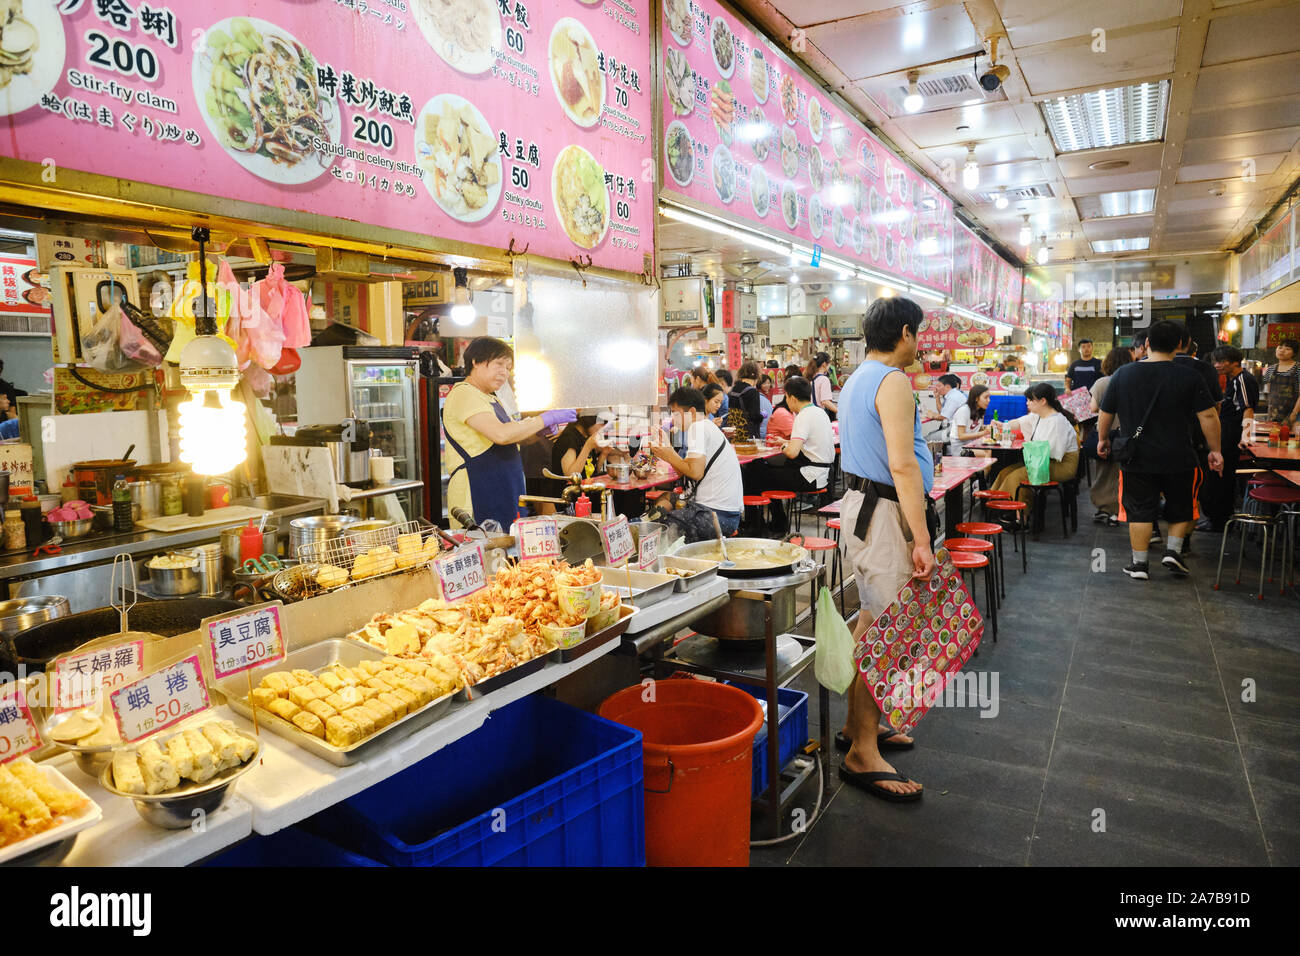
(123, 571)
(127, 456)
(722, 543)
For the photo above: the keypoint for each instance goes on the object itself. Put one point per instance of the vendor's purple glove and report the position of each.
(559, 416)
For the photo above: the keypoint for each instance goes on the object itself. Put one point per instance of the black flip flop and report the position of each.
(843, 743)
(868, 781)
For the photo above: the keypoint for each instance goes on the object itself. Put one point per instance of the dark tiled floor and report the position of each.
(1152, 723)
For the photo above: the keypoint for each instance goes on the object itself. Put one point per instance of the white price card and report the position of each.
(159, 700)
(247, 639)
(79, 677)
(648, 549)
(18, 734)
(539, 538)
(616, 535)
(461, 573)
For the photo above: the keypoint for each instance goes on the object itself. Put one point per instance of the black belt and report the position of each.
(872, 492)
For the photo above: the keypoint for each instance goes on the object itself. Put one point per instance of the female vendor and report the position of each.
(483, 459)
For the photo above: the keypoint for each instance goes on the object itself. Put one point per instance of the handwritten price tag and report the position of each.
(461, 573)
(159, 700)
(616, 536)
(18, 733)
(79, 677)
(539, 538)
(245, 640)
(648, 549)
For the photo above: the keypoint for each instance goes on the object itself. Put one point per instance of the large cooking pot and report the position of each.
(784, 556)
(37, 646)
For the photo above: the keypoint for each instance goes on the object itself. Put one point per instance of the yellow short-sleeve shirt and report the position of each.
(463, 402)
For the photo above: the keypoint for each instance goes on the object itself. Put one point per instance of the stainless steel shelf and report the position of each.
(390, 489)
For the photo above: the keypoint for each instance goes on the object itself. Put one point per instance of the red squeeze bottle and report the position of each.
(250, 543)
(582, 507)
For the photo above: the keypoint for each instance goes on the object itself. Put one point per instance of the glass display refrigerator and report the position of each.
(379, 385)
(436, 390)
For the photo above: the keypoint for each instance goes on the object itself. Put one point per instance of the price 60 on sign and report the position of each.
(18, 734)
(461, 573)
(244, 640)
(159, 700)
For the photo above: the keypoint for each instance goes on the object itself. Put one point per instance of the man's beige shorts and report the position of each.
(883, 563)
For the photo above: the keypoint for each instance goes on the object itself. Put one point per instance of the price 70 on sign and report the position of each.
(18, 733)
(461, 573)
(160, 699)
(245, 640)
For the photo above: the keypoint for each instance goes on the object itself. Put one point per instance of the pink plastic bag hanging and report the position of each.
(240, 309)
(266, 335)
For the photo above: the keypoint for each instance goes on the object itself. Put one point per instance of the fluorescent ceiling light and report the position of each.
(1121, 245)
(1000, 198)
(1043, 255)
(919, 293)
(1130, 202)
(1114, 117)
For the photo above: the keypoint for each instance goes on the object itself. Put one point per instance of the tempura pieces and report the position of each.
(30, 803)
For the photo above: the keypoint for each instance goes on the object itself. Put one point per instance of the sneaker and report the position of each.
(1176, 564)
(1156, 538)
(1112, 522)
(1138, 570)
(1101, 518)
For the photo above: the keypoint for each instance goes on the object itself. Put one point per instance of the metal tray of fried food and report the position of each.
(316, 658)
(497, 681)
(647, 588)
(700, 571)
(562, 655)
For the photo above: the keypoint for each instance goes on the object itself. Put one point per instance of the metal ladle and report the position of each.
(722, 544)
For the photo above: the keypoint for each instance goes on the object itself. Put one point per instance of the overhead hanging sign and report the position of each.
(480, 121)
(982, 280)
(746, 133)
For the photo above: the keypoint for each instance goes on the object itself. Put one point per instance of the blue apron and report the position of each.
(496, 477)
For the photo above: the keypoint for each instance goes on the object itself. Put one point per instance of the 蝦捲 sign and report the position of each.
(159, 700)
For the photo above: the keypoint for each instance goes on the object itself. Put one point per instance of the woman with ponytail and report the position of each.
(1047, 421)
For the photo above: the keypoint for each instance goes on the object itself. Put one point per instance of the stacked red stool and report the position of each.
(817, 546)
(756, 501)
(984, 548)
(968, 562)
(785, 497)
(993, 531)
(1014, 517)
(837, 567)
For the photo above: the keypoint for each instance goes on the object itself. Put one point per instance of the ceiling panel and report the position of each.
(801, 14)
(1112, 182)
(1142, 156)
(1248, 35)
(1125, 228)
(1206, 201)
(986, 121)
(1235, 192)
(1191, 221)
(1006, 149)
(1244, 118)
(1247, 81)
(868, 47)
(1242, 145)
(1126, 58)
(1030, 22)
(1229, 169)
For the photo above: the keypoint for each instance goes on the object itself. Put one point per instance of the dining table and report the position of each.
(1268, 456)
(949, 485)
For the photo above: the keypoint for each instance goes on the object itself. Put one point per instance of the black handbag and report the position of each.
(1124, 449)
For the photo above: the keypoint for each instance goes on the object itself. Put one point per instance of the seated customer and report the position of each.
(765, 402)
(968, 421)
(745, 396)
(808, 454)
(1047, 421)
(714, 402)
(710, 461)
(576, 447)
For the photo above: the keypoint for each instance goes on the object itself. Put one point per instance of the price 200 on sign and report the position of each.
(617, 538)
(245, 640)
(461, 573)
(159, 700)
(18, 734)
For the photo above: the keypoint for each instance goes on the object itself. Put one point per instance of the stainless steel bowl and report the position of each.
(21, 613)
(176, 809)
(90, 760)
(316, 531)
(620, 471)
(174, 582)
(72, 529)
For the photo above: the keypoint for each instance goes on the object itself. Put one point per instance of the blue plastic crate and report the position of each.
(1007, 407)
(792, 727)
(539, 784)
(289, 847)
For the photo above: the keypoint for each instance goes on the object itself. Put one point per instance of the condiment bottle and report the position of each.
(250, 543)
(29, 507)
(69, 490)
(122, 520)
(172, 502)
(15, 534)
(194, 495)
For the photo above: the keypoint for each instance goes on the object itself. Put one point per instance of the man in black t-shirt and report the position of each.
(1219, 494)
(1164, 461)
(1084, 370)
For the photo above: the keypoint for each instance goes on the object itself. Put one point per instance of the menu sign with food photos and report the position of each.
(473, 120)
(18, 734)
(982, 280)
(941, 329)
(21, 290)
(747, 134)
(918, 643)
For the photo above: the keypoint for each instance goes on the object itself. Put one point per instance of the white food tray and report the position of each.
(69, 827)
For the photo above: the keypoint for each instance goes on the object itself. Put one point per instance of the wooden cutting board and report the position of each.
(216, 516)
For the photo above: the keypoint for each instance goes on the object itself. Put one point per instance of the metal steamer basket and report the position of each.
(341, 561)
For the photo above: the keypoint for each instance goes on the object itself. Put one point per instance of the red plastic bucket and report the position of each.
(698, 754)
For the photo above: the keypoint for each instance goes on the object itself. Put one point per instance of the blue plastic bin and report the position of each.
(539, 784)
(792, 727)
(289, 847)
(1007, 407)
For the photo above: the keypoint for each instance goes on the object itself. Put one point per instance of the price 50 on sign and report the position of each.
(159, 700)
(18, 733)
(538, 538)
(461, 573)
(245, 640)
(79, 677)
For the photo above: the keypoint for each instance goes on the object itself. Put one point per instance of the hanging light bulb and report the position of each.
(212, 422)
(1232, 325)
(1043, 254)
(1026, 234)
(462, 312)
(914, 100)
(1000, 200)
(970, 173)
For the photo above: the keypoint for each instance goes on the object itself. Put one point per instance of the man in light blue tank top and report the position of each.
(887, 541)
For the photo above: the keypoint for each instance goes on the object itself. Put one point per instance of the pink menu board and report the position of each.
(941, 329)
(473, 120)
(749, 135)
(982, 280)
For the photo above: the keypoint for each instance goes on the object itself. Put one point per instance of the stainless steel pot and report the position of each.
(19, 614)
(230, 546)
(790, 555)
(350, 466)
(146, 494)
(620, 471)
(743, 618)
(174, 582)
(317, 530)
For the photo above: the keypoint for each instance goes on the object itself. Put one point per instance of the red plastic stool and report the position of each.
(756, 501)
(968, 562)
(800, 506)
(985, 496)
(1038, 504)
(1286, 504)
(1012, 515)
(976, 546)
(837, 568)
(993, 531)
(817, 545)
(783, 497)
